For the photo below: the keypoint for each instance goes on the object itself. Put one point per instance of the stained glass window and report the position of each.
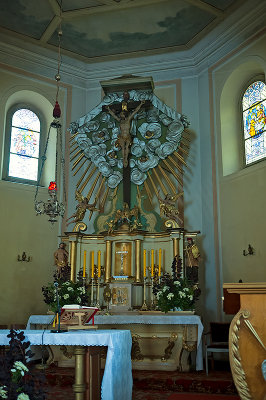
(24, 145)
(254, 120)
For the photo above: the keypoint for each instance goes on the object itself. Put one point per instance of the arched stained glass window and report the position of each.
(254, 119)
(24, 146)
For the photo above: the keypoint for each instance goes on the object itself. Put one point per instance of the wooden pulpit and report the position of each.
(247, 337)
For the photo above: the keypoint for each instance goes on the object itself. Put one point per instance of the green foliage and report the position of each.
(178, 294)
(68, 293)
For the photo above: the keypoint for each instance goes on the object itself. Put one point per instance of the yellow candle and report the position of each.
(152, 262)
(57, 320)
(92, 264)
(99, 263)
(144, 263)
(84, 265)
(54, 322)
(160, 262)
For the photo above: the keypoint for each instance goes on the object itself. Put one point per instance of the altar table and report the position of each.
(141, 324)
(117, 379)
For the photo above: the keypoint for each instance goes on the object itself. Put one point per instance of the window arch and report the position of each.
(254, 122)
(23, 144)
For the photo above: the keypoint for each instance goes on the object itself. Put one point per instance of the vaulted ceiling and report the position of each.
(95, 29)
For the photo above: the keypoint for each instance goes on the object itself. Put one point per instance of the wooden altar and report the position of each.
(247, 339)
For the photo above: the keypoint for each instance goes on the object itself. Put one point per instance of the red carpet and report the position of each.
(196, 396)
(154, 385)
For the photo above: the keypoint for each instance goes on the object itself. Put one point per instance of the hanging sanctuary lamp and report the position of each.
(53, 208)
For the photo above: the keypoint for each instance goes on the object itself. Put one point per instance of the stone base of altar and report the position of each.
(162, 342)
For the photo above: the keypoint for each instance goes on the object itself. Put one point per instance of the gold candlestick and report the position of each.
(144, 305)
(92, 292)
(152, 295)
(98, 295)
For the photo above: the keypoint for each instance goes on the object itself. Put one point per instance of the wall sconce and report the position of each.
(249, 252)
(24, 257)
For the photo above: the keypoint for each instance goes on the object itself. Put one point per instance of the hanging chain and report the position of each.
(42, 164)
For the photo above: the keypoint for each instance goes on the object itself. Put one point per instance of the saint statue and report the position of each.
(124, 137)
(60, 259)
(192, 256)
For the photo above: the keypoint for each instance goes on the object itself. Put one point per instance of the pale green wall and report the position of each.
(242, 191)
(21, 229)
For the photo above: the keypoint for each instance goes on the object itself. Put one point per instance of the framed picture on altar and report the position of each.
(120, 296)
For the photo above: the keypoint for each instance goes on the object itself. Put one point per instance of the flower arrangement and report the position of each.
(174, 292)
(16, 380)
(68, 293)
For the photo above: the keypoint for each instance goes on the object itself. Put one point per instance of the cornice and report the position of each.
(226, 37)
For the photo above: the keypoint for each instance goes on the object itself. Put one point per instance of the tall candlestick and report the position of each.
(144, 263)
(152, 262)
(84, 265)
(99, 264)
(92, 264)
(160, 262)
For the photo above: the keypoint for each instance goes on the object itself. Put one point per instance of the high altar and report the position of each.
(129, 152)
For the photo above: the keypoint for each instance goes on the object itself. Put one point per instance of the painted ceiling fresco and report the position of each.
(98, 28)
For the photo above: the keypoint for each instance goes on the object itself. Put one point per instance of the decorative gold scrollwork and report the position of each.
(135, 351)
(66, 352)
(235, 358)
(169, 348)
(80, 226)
(170, 223)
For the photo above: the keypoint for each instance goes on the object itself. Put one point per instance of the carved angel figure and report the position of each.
(167, 206)
(81, 208)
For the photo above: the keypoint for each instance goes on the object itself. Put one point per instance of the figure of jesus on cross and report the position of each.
(124, 137)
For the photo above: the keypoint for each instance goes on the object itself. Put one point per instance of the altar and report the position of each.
(159, 341)
(117, 379)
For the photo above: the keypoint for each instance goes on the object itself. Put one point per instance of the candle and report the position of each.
(144, 263)
(99, 264)
(84, 265)
(92, 264)
(54, 322)
(152, 262)
(160, 262)
(57, 320)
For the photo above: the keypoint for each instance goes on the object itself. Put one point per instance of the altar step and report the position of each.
(151, 385)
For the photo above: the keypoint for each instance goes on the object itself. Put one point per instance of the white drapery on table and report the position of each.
(138, 319)
(117, 379)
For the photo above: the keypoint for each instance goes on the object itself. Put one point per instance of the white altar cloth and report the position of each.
(117, 379)
(138, 319)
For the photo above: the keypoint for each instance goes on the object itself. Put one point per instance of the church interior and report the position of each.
(132, 167)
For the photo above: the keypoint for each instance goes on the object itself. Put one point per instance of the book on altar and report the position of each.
(73, 314)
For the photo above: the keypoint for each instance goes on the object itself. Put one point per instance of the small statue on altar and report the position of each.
(192, 257)
(60, 259)
(124, 137)
(81, 208)
(167, 206)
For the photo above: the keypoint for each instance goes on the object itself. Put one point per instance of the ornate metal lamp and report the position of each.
(52, 207)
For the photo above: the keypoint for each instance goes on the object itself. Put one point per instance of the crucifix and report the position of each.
(126, 110)
(122, 255)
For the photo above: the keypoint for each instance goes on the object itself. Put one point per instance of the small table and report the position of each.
(117, 379)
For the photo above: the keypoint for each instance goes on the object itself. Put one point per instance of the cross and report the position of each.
(123, 255)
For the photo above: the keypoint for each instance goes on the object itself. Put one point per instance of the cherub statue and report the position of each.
(124, 137)
(81, 208)
(167, 206)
